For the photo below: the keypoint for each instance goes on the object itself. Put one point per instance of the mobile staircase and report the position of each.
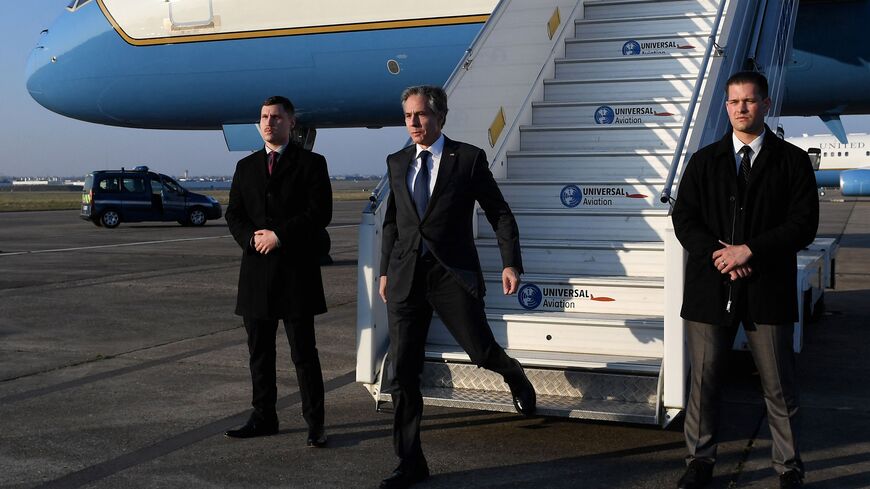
(587, 110)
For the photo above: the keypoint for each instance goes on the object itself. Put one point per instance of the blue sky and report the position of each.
(37, 142)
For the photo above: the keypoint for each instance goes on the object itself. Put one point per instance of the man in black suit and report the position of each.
(429, 261)
(747, 204)
(280, 198)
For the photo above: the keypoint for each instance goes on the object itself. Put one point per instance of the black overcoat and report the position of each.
(778, 218)
(296, 203)
(447, 226)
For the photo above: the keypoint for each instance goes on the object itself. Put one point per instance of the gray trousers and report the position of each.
(771, 345)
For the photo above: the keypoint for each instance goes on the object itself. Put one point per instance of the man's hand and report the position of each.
(510, 280)
(265, 241)
(740, 272)
(382, 288)
(731, 257)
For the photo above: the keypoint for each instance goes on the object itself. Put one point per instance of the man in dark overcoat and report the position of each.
(429, 262)
(746, 205)
(280, 200)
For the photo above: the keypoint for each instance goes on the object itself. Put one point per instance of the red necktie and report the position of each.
(273, 160)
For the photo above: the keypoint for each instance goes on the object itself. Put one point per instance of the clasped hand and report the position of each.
(733, 260)
(265, 241)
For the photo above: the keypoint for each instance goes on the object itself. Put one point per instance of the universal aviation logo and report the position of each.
(629, 114)
(592, 195)
(634, 48)
(532, 297)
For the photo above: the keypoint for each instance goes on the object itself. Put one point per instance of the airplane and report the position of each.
(843, 165)
(207, 64)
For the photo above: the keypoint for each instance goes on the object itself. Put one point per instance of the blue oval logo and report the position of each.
(571, 196)
(604, 115)
(631, 48)
(530, 296)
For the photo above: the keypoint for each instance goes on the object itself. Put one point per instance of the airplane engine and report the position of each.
(855, 183)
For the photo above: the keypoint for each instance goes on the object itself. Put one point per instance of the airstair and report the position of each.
(587, 130)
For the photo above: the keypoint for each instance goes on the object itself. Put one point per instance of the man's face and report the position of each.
(276, 124)
(422, 124)
(746, 108)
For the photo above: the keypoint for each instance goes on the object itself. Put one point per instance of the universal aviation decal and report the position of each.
(659, 46)
(532, 297)
(596, 195)
(628, 114)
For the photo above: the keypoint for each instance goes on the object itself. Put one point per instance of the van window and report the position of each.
(156, 186)
(109, 184)
(89, 183)
(134, 185)
(171, 185)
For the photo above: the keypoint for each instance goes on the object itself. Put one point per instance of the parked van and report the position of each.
(112, 196)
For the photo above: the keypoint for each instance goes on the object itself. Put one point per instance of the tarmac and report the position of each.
(122, 364)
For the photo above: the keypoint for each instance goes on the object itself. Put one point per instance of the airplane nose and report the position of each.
(34, 70)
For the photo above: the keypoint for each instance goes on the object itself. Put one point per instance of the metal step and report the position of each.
(537, 194)
(607, 113)
(660, 25)
(616, 9)
(636, 45)
(559, 334)
(617, 89)
(613, 137)
(636, 66)
(586, 225)
(567, 393)
(576, 165)
(579, 294)
(601, 258)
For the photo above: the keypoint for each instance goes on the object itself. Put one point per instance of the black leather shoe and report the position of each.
(316, 438)
(791, 479)
(404, 477)
(254, 428)
(698, 474)
(522, 392)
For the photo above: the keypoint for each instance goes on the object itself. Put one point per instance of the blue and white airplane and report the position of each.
(203, 64)
(844, 165)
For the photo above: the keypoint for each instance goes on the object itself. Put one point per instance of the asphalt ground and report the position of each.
(121, 365)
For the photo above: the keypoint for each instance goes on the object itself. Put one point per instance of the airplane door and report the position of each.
(190, 14)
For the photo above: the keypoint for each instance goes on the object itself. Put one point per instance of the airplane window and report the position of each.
(839, 153)
(868, 153)
(847, 153)
(825, 154)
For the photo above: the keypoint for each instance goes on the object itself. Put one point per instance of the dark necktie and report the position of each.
(273, 160)
(421, 184)
(745, 161)
(421, 192)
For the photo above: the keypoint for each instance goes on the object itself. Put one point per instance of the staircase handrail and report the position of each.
(690, 112)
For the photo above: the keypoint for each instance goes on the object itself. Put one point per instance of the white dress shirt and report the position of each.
(755, 146)
(436, 150)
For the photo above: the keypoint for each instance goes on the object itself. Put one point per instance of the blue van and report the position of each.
(112, 196)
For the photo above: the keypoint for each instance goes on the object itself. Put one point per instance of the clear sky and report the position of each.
(37, 142)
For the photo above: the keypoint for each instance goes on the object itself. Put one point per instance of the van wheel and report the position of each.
(110, 219)
(196, 217)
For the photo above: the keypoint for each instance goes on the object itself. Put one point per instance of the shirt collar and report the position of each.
(435, 149)
(279, 150)
(755, 145)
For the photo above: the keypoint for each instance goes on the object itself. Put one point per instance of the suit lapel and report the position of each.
(445, 169)
(401, 165)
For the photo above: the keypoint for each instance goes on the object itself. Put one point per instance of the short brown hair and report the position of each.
(282, 101)
(752, 77)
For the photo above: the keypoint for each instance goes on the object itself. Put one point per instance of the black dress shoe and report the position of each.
(316, 438)
(522, 392)
(254, 428)
(791, 479)
(698, 474)
(404, 477)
